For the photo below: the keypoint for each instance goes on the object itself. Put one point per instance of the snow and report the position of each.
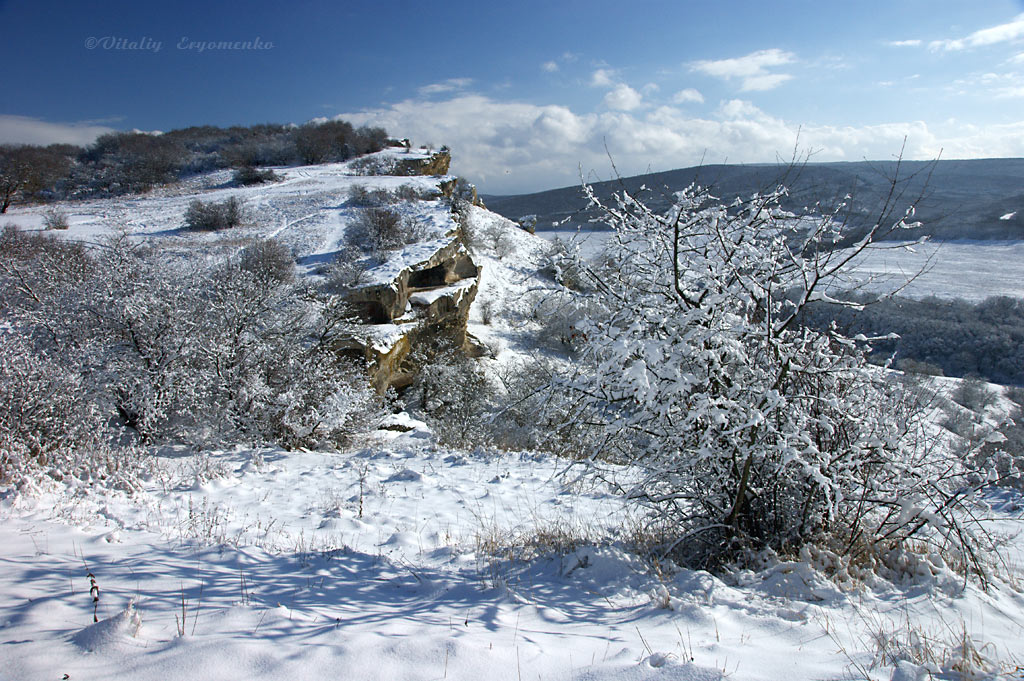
(387, 562)
(433, 295)
(972, 270)
(404, 559)
(405, 258)
(307, 211)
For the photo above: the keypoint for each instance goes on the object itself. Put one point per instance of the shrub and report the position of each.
(450, 393)
(268, 258)
(347, 271)
(176, 351)
(914, 366)
(373, 165)
(359, 195)
(36, 269)
(249, 175)
(55, 218)
(206, 216)
(380, 230)
(746, 431)
(973, 394)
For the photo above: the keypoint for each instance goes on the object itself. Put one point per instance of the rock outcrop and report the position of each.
(426, 301)
(435, 164)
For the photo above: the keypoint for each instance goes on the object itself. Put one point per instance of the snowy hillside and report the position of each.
(405, 560)
(309, 211)
(399, 557)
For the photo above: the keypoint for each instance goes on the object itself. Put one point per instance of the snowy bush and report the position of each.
(250, 175)
(54, 411)
(268, 258)
(374, 165)
(450, 393)
(55, 218)
(207, 216)
(360, 195)
(348, 270)
(745, 430)
(174, 351)
(380, 230)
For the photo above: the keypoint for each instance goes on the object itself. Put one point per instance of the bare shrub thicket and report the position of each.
(1000, 448)
(129, 162)
(214, 215)
(450, 393)
(360, 195)
(973, 394)
(119, 342)
(336, 141)
(379, 230)
(250, 175)
(348, 270)
(268, 258)
(55, 218)
(745, 430)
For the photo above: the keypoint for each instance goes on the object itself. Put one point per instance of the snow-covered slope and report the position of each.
(404, 559)
(309, 211)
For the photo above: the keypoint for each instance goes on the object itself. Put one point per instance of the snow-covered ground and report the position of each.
(972, 270)
(403, 559)
(309, 211)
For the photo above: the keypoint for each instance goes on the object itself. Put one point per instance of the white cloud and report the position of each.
(904, 43)
(26, 130)
(450, 85)
(688, 95)
(751, 70)
(767, 81)
(623, 98)
(508, 147)
(603, 78)
(549, 66)
(1008, 32)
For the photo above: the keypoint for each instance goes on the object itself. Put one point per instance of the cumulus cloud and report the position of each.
(511, 147)
(1008, 32)
(450, 85)
(26, 130)
(904, 43)
(602, 78)
(751, 70)
(549, 66)
(623, 98)
(687, 96)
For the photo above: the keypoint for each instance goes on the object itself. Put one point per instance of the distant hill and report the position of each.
(972, 199)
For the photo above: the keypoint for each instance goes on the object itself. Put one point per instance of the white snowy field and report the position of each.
(404, 559)
(971, 270)
(308, 211)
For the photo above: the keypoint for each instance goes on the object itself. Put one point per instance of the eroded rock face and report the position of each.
(427, 302)
(457, 187)
(436, 164)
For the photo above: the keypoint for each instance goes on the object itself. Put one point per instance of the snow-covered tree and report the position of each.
(745, 429)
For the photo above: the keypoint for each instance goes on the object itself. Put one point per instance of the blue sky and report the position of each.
(526, 93)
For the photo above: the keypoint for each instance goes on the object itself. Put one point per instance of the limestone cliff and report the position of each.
(425, 301)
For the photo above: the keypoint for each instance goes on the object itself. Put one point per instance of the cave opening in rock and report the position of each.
(428, 278)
